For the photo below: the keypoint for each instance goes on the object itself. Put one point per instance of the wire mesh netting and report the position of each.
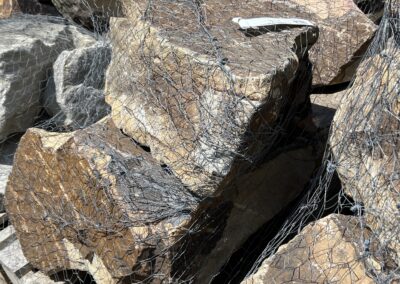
(174, 142)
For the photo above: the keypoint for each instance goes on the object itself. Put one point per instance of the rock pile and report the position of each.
(167, 142)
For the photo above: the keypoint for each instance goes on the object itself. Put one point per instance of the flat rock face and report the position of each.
(91, 200)
(327, 251)
(82, 12)
(366, 144)
(198, 115)
(28, 47)
(324, 107)
(74, 95)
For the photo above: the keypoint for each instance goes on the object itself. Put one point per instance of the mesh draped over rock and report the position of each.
(160, 148)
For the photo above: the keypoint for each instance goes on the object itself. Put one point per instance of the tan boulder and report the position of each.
(323, 108)
(94, 201)
(91, 200)
(365, 144)
(9, 7)
(329, 250)
(200, 116)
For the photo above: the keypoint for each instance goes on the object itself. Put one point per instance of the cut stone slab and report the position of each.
(112, 209)
(7, 236)
(329, 250)
(74, 95)
(365, 144)
(28, 47)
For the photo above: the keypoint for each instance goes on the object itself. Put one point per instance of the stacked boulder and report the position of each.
(204, 143)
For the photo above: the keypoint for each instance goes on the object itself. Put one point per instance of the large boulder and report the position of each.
(89, 13)
(198, 115)
(330, 250)
(95, 201)
(92, 200)
(29, 45)
(365, 144)
(74, 95)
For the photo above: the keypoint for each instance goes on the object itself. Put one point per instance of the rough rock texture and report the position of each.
(201, 104)
(327, 251)
(324, 107)
(74, 95)
(366, 145)
(7, 151)
(5, 171)
(92, 200)
(9, 7)
(29, 45)
(84, 12)
(372, 8)
(202, 119)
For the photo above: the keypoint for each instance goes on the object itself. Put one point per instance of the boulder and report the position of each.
(29, 45)
(89, 13)
(329, 250)
(345, 33)
(74, 95)
(9, 7)
(211, 110)
(200, 117)
(324, 107)
(365, 144)
(12, 259)
(94, 200)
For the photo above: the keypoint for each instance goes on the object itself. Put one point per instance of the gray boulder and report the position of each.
(29, 45)
(74, 95)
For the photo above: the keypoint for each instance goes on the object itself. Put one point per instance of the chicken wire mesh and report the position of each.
(185, 164)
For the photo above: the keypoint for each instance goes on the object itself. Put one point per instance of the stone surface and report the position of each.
(203, 119)
(5, 171)
(329, 250)
(28, 47)
(9, 7)
(365, 144)
(83, 12)
(7, 151)
(113, 207)
(203, 106)
(38, 278)
(14, 262)
(324, 107)
(344, 30)
(93, 200)
(74, 95)
(374, 9)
